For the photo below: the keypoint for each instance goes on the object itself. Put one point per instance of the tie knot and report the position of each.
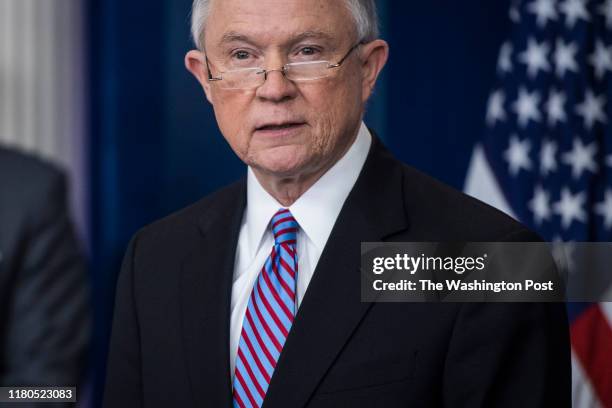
(284, 227)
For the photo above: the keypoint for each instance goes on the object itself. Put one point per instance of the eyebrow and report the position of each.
(312, 34)
(234, 36)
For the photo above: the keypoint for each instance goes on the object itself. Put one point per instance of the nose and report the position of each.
(277, 87)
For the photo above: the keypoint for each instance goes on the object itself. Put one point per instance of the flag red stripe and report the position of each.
(592, 343)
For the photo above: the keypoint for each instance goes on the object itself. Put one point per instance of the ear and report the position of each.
(195, 62)
(374, 56)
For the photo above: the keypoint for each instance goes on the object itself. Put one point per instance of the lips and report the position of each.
(278, 126)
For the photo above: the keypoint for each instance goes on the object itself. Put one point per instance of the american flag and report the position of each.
(546, 157)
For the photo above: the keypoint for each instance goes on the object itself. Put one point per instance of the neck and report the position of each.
(288, 189)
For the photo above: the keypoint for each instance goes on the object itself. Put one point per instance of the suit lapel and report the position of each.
(206, 284)
(332, 308)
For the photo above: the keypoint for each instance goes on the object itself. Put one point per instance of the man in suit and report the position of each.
(44, 296)
(251, 297)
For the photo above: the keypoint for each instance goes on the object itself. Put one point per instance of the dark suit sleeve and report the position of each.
(509, 354)
(123, 377)
(48, 322)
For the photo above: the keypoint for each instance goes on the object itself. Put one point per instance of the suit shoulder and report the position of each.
(447, 212)
(186, 219)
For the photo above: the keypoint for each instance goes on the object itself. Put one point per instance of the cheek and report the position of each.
(334, 112)
(228, 109)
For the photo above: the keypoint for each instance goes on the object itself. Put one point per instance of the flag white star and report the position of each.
(504, 62)
(581, 158)
(535, 57)
(540, 205)
(606, 10)
(592, 109)
(544, 10)
(563, 252)
(526, 107)
(555, 107)
(573, 10)
(565, 58)
(601, 59)
(495, 109)
(517, 155)
(515, 13)
(570, 207)
(604, 209)
(609, 161)
(548, 161)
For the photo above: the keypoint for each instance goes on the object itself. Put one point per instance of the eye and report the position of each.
(308, 51)
(241, 55)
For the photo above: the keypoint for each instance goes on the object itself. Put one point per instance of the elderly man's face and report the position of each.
(285, 128)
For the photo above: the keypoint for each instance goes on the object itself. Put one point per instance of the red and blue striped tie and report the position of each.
(268, 317)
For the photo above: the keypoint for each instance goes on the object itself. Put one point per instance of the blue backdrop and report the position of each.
(155, 145)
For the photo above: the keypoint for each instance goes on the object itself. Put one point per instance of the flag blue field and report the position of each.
(546, 157)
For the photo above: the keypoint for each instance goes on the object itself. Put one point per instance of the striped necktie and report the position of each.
(268, 317)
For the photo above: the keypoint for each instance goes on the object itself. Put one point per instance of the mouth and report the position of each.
(279, 129)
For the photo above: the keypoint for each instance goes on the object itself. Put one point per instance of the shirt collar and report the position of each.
(317, 209)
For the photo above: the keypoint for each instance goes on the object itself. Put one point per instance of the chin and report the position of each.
(280, 163)
(280, 170)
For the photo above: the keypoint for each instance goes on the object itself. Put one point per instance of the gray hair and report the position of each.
(363, 11)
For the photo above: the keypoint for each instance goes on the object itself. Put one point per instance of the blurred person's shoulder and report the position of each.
(25, 177)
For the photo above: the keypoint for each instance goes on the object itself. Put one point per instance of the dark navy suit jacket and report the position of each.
(170, 339)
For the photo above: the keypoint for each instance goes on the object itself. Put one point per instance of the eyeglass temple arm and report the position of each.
(210, 77)
(353, 48)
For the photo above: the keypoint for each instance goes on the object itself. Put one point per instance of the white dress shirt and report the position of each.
(315, 212)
